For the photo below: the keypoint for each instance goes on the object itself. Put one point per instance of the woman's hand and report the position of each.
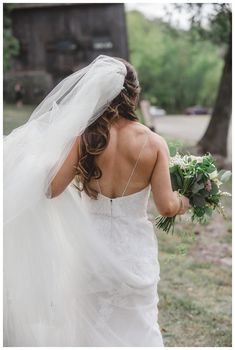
(184, 204)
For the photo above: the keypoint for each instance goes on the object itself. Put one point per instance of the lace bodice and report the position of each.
(124, 223)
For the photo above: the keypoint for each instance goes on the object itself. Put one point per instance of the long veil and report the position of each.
(57, 271)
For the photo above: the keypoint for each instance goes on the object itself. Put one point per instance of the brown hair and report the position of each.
(95, 138)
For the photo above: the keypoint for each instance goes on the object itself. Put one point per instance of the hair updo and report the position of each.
(95, 138)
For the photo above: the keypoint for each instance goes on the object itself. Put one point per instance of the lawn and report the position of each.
(195, 291)
(14, 117)
(195, 307)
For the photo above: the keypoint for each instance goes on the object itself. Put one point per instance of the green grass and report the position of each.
(14, 117)
(195, 307)
(195, 291)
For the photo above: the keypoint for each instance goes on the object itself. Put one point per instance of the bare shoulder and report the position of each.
(133, 134)
(158, 142)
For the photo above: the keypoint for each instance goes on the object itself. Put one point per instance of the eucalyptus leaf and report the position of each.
(198, 200)
(179, 180)
(199, 211)
(204, 193)
(220, 173)
(172, 150)
(173, 169)
(211, 168)
(208, 211)
(174, 147)
(174, 183)
(226, 176)
(214, 188)
(197, 187)
(199, 176)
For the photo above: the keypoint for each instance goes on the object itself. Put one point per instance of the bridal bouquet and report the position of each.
(198, 179)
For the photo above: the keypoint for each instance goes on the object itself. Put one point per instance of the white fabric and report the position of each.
(60, 274)
(34, 152)
(129, 309)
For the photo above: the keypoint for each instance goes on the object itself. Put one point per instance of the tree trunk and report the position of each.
(215, 138)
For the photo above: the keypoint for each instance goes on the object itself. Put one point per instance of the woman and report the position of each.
(89, 263)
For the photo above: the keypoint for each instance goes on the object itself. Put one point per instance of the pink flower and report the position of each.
(208, 186)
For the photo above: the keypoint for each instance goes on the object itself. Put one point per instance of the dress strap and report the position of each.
(136, 163)
(98, 184)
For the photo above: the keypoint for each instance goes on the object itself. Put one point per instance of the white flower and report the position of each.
(177, 160)
(213, 175)
(198, 159)
(217, 182)
(226, 194)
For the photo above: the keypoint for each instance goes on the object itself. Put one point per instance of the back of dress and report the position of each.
(69, 281)
(122, 223)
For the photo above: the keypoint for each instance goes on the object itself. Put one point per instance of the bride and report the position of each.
(80, 255)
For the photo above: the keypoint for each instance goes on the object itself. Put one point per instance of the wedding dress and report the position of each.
(77, 271)
(123, 224)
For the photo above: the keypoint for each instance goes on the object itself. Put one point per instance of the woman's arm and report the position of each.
(166, 200)
(66, 173)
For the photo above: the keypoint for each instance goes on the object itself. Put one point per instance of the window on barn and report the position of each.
(62, 46)
(102, 43)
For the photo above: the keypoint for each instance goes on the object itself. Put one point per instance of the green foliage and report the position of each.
(196, 178)
(195, 291)
(174, 147)
(219, 21)
(174, 73)
(221, 24)
(10, 43)
(224, 175)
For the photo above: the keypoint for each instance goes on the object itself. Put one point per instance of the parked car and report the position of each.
(196, 110)
(156, 111)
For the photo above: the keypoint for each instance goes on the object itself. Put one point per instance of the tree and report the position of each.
(174, 73)
(220, 32)
(10, 43)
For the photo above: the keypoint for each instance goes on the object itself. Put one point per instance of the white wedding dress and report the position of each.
(119, 305)
(122, 222)
(96, 286)
(77, 271)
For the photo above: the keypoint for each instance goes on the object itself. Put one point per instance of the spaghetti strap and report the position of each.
(98, 183)
(136, 163)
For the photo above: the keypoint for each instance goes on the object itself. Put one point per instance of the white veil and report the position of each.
(43, 143)
(55, 266)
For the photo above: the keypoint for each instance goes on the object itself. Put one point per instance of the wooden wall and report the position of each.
(61, 39)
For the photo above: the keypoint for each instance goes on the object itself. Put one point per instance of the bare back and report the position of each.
(134, 158)
(127, 162)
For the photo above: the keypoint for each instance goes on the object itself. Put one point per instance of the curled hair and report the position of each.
(95, 138)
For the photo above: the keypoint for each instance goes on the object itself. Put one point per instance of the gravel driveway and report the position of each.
(186, 128)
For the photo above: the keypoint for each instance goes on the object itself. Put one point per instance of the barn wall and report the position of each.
(45, 32)
(56, 40)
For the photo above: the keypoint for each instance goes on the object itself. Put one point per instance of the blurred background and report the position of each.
(183, 56)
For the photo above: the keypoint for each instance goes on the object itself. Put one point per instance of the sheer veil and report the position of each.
(43, 143)
(56, 268)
